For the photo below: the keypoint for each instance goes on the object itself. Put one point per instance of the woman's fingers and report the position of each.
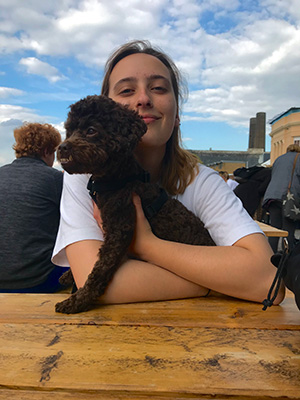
(97, 214)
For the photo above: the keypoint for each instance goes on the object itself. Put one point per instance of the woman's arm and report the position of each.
(134, 281)
(169, 270)
(243, 270)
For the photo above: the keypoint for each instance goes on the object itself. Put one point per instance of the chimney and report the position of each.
(252, 129)
(257, 131)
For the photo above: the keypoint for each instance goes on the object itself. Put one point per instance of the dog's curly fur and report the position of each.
(101, 138)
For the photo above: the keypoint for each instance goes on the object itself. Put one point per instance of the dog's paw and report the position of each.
(72, 305)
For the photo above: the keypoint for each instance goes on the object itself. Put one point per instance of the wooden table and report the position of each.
(270, 231)
(205, 348)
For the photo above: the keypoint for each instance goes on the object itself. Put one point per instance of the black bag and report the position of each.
(290, 205)
(288, 269)
(243, 174)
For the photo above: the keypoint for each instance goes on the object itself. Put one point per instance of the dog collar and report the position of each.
(152, 209)
(98, 186)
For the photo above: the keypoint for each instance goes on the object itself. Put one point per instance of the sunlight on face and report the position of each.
(143, 82)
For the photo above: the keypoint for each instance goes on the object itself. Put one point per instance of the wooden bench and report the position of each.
(205, 348)
(270, 231)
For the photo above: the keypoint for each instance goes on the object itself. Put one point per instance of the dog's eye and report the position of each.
(91, 132)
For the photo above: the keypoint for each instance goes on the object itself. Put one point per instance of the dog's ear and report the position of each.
(80, 112)
(136, 130)
(122, 121)
(132, 126)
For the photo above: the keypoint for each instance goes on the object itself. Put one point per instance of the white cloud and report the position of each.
(38, 67)
(13, 112)
(8, 92)
(7, 139)
(240, 57)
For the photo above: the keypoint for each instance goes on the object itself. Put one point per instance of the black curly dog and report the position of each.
(101, 136)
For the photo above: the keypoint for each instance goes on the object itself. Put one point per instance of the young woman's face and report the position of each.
(143, 82)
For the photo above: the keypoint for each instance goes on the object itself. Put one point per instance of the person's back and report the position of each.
(281, 175)
(277, 188)
(30, 192)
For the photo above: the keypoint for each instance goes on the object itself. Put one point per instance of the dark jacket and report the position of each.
(252, 190)
(281, 175)
(30, 194)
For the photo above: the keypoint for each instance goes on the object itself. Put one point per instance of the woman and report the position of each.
(147, 81)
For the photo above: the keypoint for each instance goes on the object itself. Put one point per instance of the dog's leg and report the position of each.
(111, 256)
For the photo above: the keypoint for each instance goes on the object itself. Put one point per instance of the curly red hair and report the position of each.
(34, 139)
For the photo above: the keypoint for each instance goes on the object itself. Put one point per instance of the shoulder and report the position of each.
(286, 158)
(51, 176)
(202, 184)
(76, 184)
(205, 174)
(5, 169)
(212, 200)
(54, 172)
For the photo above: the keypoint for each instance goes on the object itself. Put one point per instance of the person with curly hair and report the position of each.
(30, 192)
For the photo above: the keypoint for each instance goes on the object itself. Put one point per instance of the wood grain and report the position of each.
(206, 348)
(150, 359)
(214, 311)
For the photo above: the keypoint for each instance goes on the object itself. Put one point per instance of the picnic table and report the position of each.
(203, 348)
(271, 231)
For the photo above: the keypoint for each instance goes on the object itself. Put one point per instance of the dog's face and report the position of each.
(99, 134)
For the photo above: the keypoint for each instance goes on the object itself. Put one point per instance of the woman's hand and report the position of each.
(143, 234)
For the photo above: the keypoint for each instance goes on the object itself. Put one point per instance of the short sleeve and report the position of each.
(76, 220)
(221, 211)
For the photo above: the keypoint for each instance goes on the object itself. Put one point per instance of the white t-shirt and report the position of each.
(208, 196)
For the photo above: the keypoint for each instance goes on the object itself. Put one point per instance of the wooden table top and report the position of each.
(270, 231)
(205, 348)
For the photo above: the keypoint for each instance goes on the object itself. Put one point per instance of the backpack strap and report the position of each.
(294, 165)
(268, 302)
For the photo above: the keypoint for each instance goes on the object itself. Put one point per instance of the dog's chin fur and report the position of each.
(81, 166)
(81, 158)
(109, 154)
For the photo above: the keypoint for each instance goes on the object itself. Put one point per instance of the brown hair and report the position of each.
(225, 174)
(293, 147)
(34, 139)
(179, 166)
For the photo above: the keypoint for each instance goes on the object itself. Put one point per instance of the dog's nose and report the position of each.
(64, 148)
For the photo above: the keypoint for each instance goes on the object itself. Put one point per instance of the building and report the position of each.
(231, 160)
(285, 131)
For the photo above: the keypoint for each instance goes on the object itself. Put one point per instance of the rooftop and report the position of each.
(284, 114)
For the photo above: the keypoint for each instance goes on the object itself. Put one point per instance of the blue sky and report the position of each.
(238, 57)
